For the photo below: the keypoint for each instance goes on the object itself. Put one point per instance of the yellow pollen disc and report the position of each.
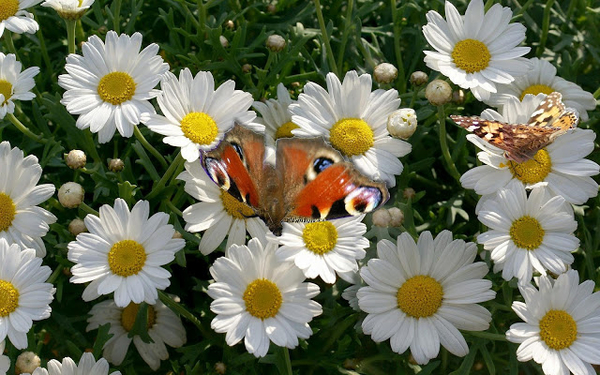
(130, 312)
(235, 208)
(471, 55)
(116, 88)
(199, 128)
(351, 136)
(537, 89)
(285, 130)
(320, 237)
(420, 296)
(6, 90)
(8, 8)
(527, 233)
(126, 258)
(533, 170)
(263, 299)
(558, 329)
(7, 212)
(9, 298)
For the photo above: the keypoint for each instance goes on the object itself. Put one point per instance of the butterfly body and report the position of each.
(522, 141)
(310, 180)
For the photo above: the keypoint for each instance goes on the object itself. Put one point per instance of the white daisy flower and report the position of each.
(123, 253)
(527, 233)
(164, 327)
(323, 248)
(276, 116)
(354, 120)
(87, 365)
(14, 83)
(218, 213)
(261, 299)
(4, 360)
(542, 79)
(69, 9)
(420, 295)
(24, 294)
(110, 86)
(21, 220)
(195, 114)
(476, 51)
(561, 165)
(16, 19)
(561, 325)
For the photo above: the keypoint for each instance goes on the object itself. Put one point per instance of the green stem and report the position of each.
(55, 274)
(201, 19)
(487, 335)
(288, 362)
(91, 146)
(10, 45)
(160, 185)
(87, 209)
(401, 80)
(597, 93)
(345, 34)
(325, 36)
(71, 24)
(444, 145)
(45, 55)
(117, 17)
(149, 147)
(522, 9)
(545, 28)
(178, 308)
(19, 125)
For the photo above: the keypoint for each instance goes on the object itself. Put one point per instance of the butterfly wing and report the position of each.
(551, 113)
(319, 184)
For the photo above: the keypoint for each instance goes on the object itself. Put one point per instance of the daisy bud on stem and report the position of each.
(402, 123)
(385, 73)
(418, 78)
(27, 362)
(77, 226)
(224, 41)
(275, 43)
(438, 92)
(70, 195)
(116, 165)
(75, 159)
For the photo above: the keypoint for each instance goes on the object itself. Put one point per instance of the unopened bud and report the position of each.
(220, 368)
(246, 68)
(116, 165)
(70, 195)
(229, 24)
(381, 218)
(177, 234)
(275, 43)
(27, 362)
(385, 73)
(75, 159)
(438, 92)
(418, 78)
(397, 217)
(77, 226)
(408, 193)
(224, 41)
(402, 123)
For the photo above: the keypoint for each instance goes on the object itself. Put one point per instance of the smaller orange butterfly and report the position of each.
(521, 142)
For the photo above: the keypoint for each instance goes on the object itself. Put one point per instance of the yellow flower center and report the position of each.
(235, 208)
(199, 128)
(6, 90)
(420, 296)
(116, 88)
(8, 8)
(471, 55)
(7, 212)
(263, 299)
(320, 237)
(537, 89)
(351, 136)
(9, 298)
(130, 313)
(527, 233)
(533, 170)
(558, 329)
(285, 130)
(126, 258)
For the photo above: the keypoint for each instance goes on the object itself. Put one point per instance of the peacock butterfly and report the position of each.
(310, 180)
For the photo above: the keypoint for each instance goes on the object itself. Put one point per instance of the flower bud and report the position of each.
(177, 234)
(116, 165)
(77, 226)
(408, 193)
(27, 362)
(438, 92)
(397, 217)
(75, 159)
(381, 218)
(385, 73)
(275, 43)
(220, 368)
(70, 195)
(418, 78)
(224, 41)
(229, 24)
(246, 68)
(402, 123)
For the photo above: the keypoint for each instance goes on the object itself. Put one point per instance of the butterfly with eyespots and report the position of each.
(521, 142)
(310, 180)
